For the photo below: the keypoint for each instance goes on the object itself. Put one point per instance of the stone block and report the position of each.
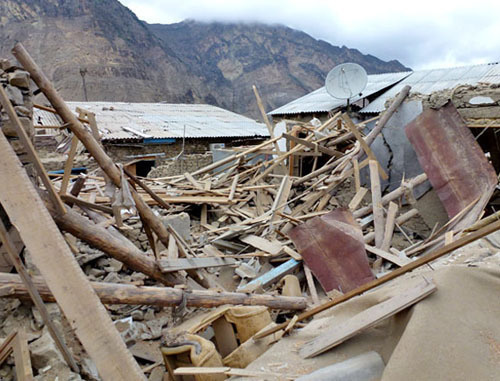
(10, 131)
(19, 78)
(44, 351)
(15, 95)
(5, 64)
(181, 223)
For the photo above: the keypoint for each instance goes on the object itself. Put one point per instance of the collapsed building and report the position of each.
(248, 267)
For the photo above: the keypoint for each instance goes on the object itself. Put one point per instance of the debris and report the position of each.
(326, 242)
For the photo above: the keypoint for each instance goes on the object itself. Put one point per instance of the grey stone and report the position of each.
(137, 315)
(15, 95)
(365, 367)
(19, 78)
(5, 64)
(181, 223)
(44, 351)
(23, 111)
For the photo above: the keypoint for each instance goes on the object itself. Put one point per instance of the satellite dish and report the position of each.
(346, 80)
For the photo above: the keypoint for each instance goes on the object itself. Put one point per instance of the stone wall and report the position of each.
(186, 163)
(16, 83)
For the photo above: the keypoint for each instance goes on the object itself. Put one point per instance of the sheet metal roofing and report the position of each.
(125, 121)
(320, 101)
(428, 81)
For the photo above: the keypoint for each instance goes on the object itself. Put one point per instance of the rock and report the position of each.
(5, 64)
(114, 265)
(15, 95)
(150, 314)
(137, 315)
(112, 278)
(181, 223)
(44, 351)
(157, 373)
(127, 329)
(19, 78)
(89, 369)
(10, 131)
(23, 111)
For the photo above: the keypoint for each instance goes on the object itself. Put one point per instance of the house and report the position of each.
(382, 87)
(157, 132)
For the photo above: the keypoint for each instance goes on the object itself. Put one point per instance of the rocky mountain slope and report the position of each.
(129, 60)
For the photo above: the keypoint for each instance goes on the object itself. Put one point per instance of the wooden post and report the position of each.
(68, 165)
(378, 212)
(389, 226)
(114, 293)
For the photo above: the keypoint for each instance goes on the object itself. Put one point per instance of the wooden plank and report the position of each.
(316, 146)
(262, 244)
(389, 226)
(358, 197)
(310, 284)
(378, 212)
(193, 182)
(357, 178)
(269, 126)
(364, 145)
(233, 187)
(281, 198)
(169, 265)
(58, 266)
(31, 152)
(388, 256)
(68, 165)
(22, 358)
(366, 319)
(70, 200)
(292, 253)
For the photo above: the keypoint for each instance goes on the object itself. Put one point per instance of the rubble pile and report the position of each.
(201, 272)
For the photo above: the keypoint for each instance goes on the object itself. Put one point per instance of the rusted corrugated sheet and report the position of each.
(332, 246)
(453, 161)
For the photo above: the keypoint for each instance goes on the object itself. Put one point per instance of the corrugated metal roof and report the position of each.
(320, 101)
(428, 81)
(164, 121)
(45, 118)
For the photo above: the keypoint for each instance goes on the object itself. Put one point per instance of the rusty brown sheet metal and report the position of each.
(333, 247)
(453, 161)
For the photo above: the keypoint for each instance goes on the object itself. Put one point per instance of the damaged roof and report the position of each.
(320, 101)
(122, 121)
(428, 81)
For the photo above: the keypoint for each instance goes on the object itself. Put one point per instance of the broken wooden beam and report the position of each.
(114, 293)
(178, 264)
(115, 245)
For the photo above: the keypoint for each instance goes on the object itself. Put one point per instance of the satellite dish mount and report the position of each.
(345, 81)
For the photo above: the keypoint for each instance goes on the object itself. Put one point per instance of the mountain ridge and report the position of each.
(188, 62)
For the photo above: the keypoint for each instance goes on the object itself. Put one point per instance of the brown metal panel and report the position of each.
(332, 246)
(453, 161)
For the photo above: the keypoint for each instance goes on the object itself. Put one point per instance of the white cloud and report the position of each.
(420, 34)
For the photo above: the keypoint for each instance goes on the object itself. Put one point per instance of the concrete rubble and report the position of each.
(208, 271)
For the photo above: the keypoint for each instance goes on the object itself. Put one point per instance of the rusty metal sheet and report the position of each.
(453, 161)
(333, 247)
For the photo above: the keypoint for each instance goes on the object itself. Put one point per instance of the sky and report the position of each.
(420, 34)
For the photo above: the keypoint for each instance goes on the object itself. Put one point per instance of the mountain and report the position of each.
(129, 60)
